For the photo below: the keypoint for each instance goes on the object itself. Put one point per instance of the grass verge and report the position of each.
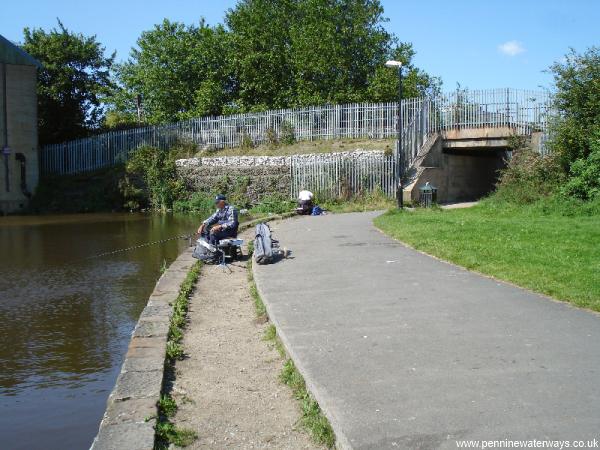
(550, 248)
(373, 201)
(313, 419)
(166, 432)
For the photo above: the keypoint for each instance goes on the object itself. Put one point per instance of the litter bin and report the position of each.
(427, 195)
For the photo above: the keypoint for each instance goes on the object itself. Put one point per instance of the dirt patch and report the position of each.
(228, 388)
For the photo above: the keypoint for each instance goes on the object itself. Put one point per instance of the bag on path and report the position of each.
(204, 251)
(263, 244)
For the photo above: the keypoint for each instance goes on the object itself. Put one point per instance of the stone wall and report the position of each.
(130, 416)
(255, 176)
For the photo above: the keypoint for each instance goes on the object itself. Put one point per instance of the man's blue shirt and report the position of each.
(226, 217)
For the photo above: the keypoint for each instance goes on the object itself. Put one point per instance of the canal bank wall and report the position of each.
(131, 409)
(131, 412)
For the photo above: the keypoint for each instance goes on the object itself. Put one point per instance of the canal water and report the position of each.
(65, 320)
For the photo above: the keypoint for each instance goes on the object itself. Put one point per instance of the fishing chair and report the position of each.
(229, 249)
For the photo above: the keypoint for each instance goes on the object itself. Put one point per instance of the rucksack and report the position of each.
(204, 251)
(263, 244)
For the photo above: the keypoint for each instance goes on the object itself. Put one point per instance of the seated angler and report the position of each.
(222, 224)
(305, 202)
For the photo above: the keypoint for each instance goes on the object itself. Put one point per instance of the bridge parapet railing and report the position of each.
(524, 110)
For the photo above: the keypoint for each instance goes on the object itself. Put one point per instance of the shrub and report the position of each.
(199, 202)
(271, 137)
(584, 176)
(184, 148)
(153, 171)
(528, 175)
(577, 100)
(287, 133)
(246, 141)
(274, 205)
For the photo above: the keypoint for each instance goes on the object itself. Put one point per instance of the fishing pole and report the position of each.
(145, 244)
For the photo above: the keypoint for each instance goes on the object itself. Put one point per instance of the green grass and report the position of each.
(552, 247)
(304, 147)
(313, 419)
(373, 201)
(166, 432)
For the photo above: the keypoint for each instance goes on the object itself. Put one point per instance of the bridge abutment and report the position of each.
(464, 164)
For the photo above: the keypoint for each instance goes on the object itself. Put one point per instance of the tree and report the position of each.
(339, 54)
(270, 54)
(577, 100)
(306, 52)
(261, 53)
(72, 83)
(179, 71)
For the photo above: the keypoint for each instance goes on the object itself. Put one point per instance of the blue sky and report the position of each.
(480, 44)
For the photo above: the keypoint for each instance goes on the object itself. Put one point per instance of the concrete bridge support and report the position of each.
(464, 164)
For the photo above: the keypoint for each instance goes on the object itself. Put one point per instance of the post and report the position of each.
(400, 168)
(5, 148)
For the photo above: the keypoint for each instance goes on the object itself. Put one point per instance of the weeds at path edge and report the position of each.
(313, 419)
(166, 431)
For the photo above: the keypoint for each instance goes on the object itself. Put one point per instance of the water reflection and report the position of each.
(65, 321)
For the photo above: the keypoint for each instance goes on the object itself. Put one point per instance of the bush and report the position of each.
(529, 176)
(152, 171)
(271, 137)
(577, 100)
(184, 149)
(287, 133)
(274, 205)
(199, 202)
(246, 141)
(584, 176)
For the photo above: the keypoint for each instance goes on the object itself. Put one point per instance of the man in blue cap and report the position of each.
(223, 223)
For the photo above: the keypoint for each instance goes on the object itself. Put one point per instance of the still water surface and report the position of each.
(65, 321)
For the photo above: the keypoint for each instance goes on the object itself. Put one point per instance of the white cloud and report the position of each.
(511, 48)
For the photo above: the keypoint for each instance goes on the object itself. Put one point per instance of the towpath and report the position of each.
(405, 351)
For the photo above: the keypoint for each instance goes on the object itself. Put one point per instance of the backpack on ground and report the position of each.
(204, 251)
(263, 244)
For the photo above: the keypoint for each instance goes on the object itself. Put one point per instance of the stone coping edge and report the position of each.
(131, 409)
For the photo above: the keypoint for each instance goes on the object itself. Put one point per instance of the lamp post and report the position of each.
(399, 189)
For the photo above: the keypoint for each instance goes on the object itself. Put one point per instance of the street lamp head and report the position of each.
(392, 63)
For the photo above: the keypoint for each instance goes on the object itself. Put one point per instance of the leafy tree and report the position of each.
(180, 72)
(383, 83)
(304, 52)
(339, 51)
(72, 83)
(261, 53)
(270, 54)
(577, 99)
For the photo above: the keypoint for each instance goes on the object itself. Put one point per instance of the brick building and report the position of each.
(19, 170)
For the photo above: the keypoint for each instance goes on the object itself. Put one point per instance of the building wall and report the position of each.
(21, 107)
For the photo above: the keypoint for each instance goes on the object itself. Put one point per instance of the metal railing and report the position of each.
(523, 110)
(342, 176)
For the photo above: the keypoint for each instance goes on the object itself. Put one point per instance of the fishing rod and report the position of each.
(145, 244)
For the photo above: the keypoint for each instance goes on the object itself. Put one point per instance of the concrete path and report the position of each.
(404, 351)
